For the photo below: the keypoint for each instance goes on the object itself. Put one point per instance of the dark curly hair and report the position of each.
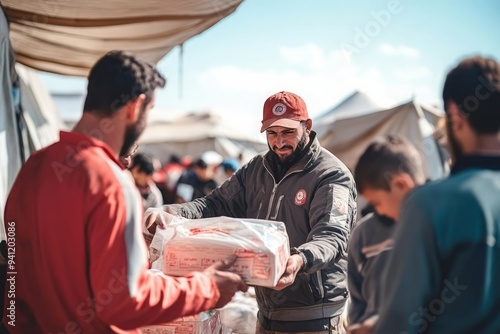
(118, 78)
(474, 86)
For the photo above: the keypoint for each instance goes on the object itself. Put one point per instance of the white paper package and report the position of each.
(262, 247)
(204, 323)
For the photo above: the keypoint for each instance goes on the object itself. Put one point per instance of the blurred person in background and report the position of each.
(166, 178)
(198, 181)
(142, 169)
(226, 169)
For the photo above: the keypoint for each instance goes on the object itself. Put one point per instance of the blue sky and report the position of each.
(322, 50)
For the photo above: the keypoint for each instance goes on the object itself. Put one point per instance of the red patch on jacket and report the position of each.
(300, 197)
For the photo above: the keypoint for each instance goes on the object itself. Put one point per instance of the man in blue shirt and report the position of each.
(445, 266)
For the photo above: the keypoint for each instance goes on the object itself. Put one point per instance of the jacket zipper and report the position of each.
(271, 201)
(277, 207)
(274, 191)
(280, 198)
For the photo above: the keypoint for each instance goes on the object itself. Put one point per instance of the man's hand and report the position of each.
(366, 327)
(293, 266)
(362, 329)
(227, 282)
(160, 217)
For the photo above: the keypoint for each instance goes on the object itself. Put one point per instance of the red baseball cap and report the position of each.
(284, 109)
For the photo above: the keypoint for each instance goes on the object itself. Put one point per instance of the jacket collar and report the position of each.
(476, 161)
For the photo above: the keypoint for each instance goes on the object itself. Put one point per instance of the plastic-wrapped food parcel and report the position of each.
(204, 323)
(261, 246)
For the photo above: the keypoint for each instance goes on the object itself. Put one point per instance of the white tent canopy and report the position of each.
(67, 37)
(347, 132)
(356, 104)
(194, 134)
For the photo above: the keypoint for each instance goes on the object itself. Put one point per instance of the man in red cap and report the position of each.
(303, 185)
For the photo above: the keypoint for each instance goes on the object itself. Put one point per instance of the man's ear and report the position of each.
(309, 124)
(456, 117)
(135, 107)
(402, 182)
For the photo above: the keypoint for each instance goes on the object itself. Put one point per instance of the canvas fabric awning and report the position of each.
(67, 37)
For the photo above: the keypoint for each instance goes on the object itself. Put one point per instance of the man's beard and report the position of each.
(295, 154)
(453, 144)
(132, 133)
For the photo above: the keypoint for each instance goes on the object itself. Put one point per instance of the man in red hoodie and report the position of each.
(78, 260)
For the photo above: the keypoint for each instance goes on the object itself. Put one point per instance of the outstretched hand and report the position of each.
(293, 266)
(227, 282)
(158, 217)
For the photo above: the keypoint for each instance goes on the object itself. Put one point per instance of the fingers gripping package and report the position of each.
(261, 246)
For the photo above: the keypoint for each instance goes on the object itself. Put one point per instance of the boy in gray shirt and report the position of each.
(385, 173)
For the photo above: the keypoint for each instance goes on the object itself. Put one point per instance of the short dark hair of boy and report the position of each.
(384, 158)
(474, 86)
(118, 78)
(144, 163)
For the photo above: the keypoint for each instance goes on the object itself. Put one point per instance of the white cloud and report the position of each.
(323, 78)
(309, 55)
(237, 79)
(399, 50)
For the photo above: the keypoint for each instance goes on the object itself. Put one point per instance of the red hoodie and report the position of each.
(80, 262)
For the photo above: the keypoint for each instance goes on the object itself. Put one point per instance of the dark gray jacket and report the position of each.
(316, 199)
